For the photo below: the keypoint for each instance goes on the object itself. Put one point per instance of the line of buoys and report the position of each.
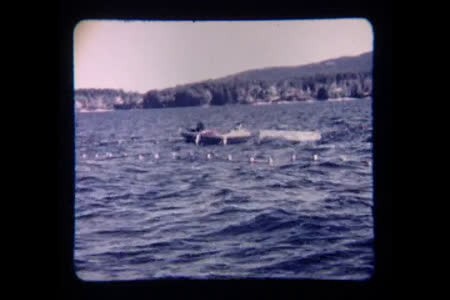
(209, 155)
(253, 158)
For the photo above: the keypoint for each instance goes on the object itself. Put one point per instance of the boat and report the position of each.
(289, 135)
(214, 137)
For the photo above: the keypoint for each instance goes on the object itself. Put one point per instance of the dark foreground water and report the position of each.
(150, 206)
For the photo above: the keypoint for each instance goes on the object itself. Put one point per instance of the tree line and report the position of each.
(233, 91)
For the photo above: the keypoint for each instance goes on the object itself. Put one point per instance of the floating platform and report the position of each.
(289, 135)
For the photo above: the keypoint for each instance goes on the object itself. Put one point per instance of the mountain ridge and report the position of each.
(364, 61)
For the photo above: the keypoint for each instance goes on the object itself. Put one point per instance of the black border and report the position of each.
(377, 12)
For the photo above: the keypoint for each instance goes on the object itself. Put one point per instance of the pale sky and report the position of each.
(140, 56)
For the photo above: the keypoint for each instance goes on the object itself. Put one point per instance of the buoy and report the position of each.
(315, 157)
(252, 159)
(293, 157)
(208, 156)
(141, 157)
(270, 160)
(230, 158)
(84, 155)
(156, 156)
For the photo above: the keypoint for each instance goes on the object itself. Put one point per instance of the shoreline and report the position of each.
(94, 110)
(342, 99)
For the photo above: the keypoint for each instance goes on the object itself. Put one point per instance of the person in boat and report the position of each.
(200, 127)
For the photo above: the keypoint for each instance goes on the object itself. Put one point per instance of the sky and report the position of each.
(144, 55)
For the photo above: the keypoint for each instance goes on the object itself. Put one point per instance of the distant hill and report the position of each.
(333, 78)
(348, 64)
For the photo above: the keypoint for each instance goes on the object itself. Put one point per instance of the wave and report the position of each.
(122, 232)
(223, 192)
(125, 196)
(230, 210)
(261, 223)
(83, 190)
(191, 257)
(135, 170)
(311, 262)
(331, 165)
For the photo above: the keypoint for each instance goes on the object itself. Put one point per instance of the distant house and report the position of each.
(78, 105)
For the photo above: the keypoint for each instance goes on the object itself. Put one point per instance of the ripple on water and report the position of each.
(143, 212)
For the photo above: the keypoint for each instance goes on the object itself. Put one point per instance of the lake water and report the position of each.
(148, 205)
